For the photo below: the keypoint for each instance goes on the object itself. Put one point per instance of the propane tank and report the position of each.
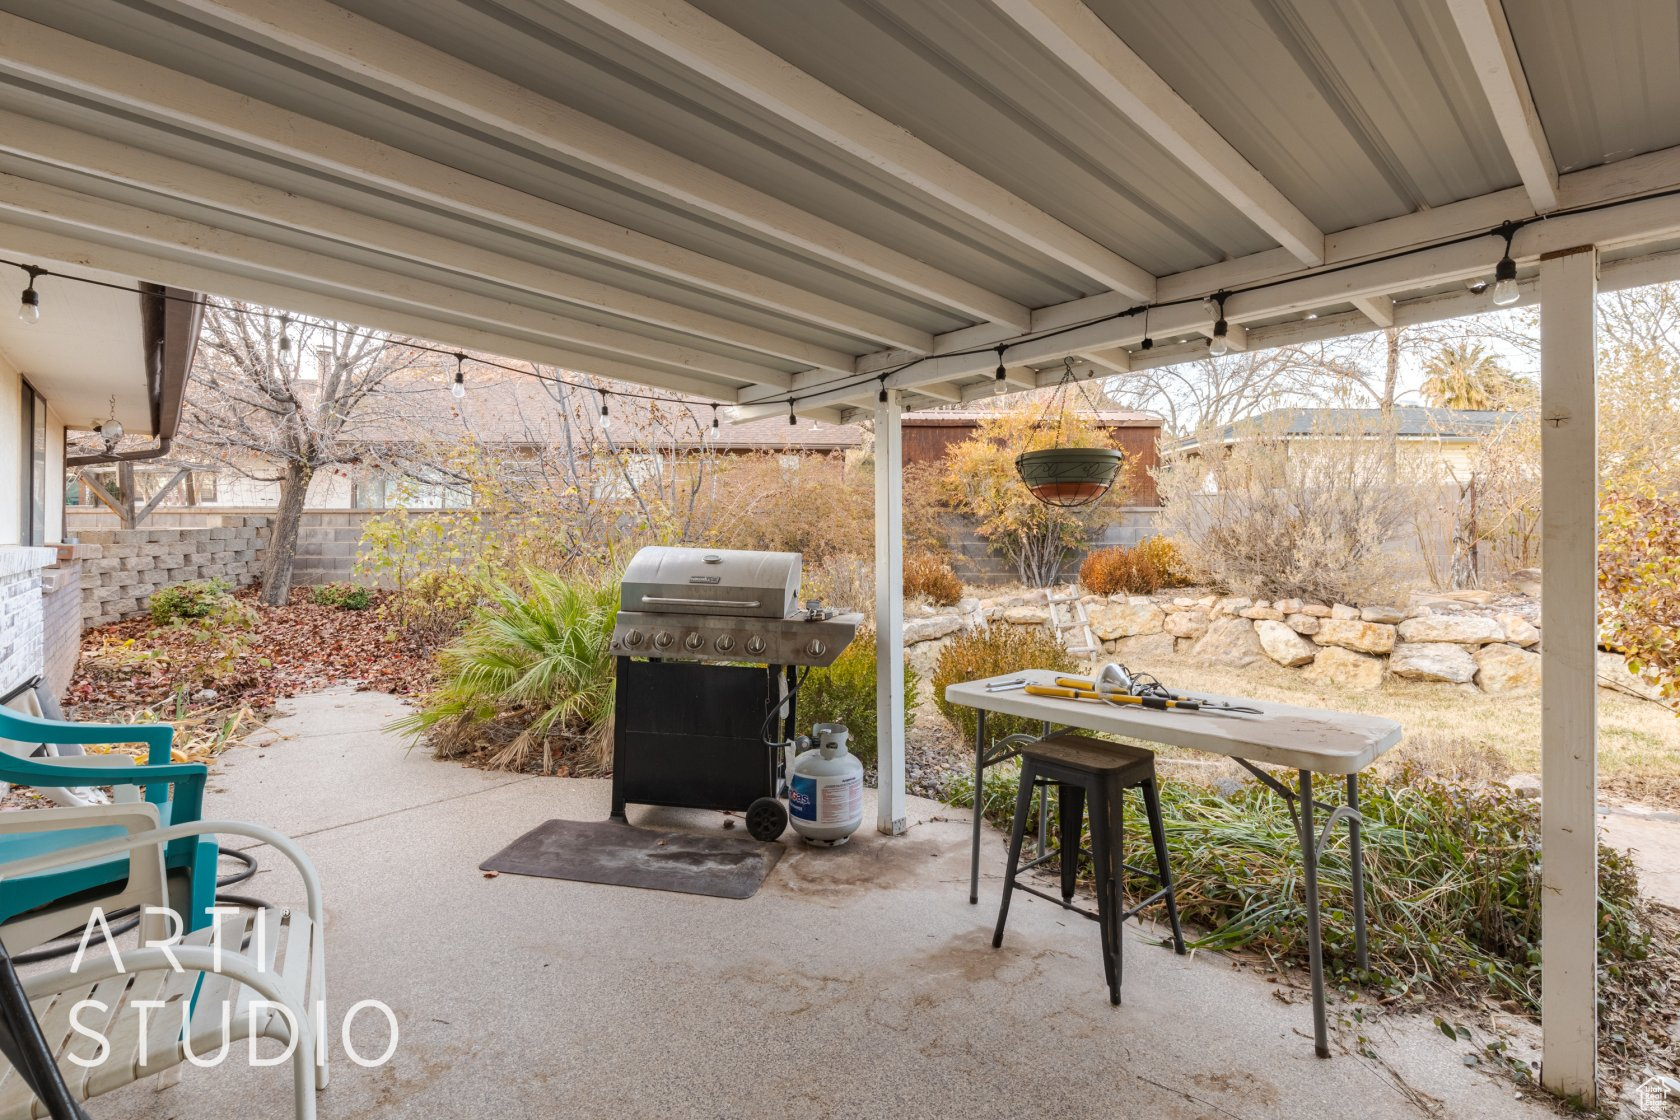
(825, 788)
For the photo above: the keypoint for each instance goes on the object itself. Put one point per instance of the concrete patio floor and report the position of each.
(859, 982)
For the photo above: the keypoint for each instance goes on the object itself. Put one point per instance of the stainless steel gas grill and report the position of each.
(709, 643)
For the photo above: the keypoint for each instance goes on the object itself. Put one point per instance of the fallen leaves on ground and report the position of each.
(217, 685)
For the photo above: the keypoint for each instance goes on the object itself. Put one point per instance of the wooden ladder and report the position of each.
(1079, 621)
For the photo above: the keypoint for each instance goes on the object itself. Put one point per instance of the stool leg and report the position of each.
(1108, 908)
(1070, 803)
(1158, 832)
(1017, 833)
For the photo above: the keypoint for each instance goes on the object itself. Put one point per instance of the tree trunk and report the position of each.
(283, 534)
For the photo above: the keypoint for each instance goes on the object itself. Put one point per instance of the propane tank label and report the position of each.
(826, 800)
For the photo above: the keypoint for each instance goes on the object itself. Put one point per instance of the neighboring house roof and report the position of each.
(1452, 425)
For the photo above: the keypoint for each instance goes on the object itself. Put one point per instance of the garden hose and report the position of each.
(127, 918)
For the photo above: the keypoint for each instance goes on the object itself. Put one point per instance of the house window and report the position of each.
(32, 528)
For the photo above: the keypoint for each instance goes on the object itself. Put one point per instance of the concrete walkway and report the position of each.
(857, 983)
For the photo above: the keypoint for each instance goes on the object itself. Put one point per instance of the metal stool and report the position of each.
(1097, 772)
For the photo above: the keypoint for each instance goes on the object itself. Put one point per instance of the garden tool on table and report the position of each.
(1115, 684)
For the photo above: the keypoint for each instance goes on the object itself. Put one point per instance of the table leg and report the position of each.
(1356, 860)
(1315, 935)
(1044, 807)
(979, 800)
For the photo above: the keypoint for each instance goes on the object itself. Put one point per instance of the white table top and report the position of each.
(1300, 738)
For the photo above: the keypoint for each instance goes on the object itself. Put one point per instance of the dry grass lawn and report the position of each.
(1458, 729)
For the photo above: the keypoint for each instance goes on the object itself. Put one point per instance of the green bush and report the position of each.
(199, 598)
(1452, 885)
(344, 596)
(989, 653)
(532, 670)
(844, 692)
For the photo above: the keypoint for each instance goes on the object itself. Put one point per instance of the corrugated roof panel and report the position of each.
(1605, 75)
(1356, 112)
(963, 78)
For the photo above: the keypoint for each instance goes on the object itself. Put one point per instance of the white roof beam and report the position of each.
(39, 204)
(709, 47)
(1487, 37)
(1378, 309)
(1114, 359)
(120, 163)
(50, 244)
(1633, 223)
(1624, 179)
(330, 36)
(1083, 42)
(57, 59)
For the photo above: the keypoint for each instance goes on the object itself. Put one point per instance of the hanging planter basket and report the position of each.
(1069, 476)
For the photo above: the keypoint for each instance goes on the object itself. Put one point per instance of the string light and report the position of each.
(999, 386)
(793, 421)
(606, 417)
(459, 389)
(1221, 343)
(29, 304)
(1505, 291)
(881, 397)
(712, 432)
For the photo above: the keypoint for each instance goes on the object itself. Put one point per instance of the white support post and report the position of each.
(891, 813)
(1568, 722)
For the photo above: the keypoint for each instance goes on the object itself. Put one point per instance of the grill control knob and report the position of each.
(816, 648)
(724, 643)
(633, 638)
(662, 640)
(755, 645)
(694, 641)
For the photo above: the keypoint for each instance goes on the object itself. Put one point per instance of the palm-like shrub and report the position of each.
(531, 669)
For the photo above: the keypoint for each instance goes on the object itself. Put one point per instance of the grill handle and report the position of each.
(678, 602)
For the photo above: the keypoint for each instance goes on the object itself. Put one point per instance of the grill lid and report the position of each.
(664, 580)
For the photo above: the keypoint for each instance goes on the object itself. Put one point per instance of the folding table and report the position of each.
(1307, 740)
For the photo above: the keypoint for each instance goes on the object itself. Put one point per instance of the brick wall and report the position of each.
(20, 613)
(61, 621)
(122, 567)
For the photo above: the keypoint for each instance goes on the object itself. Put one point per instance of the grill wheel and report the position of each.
(767, 819)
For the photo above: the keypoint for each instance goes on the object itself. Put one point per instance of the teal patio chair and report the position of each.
(173, 791)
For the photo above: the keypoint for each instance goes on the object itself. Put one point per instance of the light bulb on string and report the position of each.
(1220, 345)
(793, 421)
(606, 417)
(285, 339)
(999, 385)
(1505, 291)
(1147, 343)
(881, 397)
(712, 432)
(29, 304)
(459, 389)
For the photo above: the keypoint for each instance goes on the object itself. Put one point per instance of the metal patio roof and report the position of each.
(756, 200)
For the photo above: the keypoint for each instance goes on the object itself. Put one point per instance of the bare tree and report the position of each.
(1212, 392)
(279, 402)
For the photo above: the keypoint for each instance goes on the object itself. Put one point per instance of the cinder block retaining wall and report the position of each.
(122, 567)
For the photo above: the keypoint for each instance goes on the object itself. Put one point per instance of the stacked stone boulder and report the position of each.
(1465, 639)
(121, 568)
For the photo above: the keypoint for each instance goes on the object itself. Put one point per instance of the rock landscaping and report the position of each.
(1474, 639)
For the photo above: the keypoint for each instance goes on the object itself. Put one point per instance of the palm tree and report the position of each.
(1466, 375)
